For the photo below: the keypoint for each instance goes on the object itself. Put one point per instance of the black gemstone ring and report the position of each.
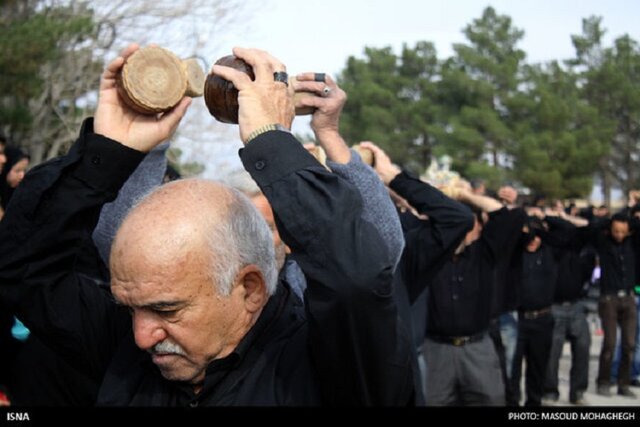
(319, 77)
(281, 76)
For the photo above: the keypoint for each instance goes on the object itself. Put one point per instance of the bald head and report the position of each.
(198, 221)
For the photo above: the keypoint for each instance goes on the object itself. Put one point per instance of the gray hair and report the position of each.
(243, 238)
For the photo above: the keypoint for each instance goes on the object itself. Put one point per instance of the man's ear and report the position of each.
(250, 282)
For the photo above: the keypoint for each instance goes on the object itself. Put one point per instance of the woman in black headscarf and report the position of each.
(12, 173)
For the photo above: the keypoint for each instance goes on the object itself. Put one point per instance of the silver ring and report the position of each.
(282, 77)
(326, 91)
(319, 77)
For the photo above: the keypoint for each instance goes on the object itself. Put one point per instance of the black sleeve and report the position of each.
(50, 215)
(634, 227)
(596, 232)
(503, 232)
(357, 344)
(433, 242)
(634, 224)
(561, 233)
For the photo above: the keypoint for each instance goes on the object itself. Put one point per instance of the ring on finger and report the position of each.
(282, 77)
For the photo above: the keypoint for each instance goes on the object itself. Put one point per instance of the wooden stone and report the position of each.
(195, 77)
(319, 153)
(221, 96)
(154, 80)
(365, 154)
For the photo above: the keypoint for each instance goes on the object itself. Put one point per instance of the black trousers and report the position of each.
(534, 346)
(570, 323)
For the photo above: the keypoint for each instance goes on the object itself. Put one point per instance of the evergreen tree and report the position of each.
(391, 102)
(558, 142)
(476, 90)
(609, 80)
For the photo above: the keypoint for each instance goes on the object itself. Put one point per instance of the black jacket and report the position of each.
(461, 296)
(428, 243)
(575, 267)
(345, 347)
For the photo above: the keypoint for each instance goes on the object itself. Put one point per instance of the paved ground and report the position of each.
(591, 397)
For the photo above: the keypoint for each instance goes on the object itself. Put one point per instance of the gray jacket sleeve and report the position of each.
(378, 207)
(147, 176)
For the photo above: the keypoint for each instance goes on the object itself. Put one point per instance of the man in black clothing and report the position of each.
(430, 241)
(535, 322)
(194, 264)
(463, 366)
(432, 233)
(568, 310)
(617, 250)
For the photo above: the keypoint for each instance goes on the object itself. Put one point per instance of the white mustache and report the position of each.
(167, 347)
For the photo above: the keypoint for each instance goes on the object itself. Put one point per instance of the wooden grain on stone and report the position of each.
(221, 96)
(195, 77)
(153, 80)
(365, 154)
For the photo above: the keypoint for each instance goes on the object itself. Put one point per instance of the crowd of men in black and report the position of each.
(472, 267)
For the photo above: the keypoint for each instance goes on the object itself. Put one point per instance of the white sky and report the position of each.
(320, 36)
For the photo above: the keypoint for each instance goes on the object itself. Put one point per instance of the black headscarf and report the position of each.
(14, 155)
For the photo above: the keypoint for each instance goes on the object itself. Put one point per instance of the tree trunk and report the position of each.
(606, 187)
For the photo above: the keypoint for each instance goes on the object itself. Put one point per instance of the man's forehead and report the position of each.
(150, 294)
(619, 224)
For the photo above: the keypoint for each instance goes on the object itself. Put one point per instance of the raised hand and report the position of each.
(115, 120)
(263, 101)
(383, 165)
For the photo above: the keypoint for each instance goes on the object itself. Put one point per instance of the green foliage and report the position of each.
(558, 149)
(390, 102)
(609, 82)
(549, 127)
(33, 35)
(476, 89)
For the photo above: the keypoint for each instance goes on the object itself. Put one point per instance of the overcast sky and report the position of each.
(322, 35)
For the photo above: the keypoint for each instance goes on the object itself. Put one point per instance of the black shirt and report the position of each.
(574, 267)
(346, 347)
(617, 260)
(428, 243)
(461, 293)
(539, 275)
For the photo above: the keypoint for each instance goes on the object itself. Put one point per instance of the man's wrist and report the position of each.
(390, 174)
(326, 132)
(265, 128)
